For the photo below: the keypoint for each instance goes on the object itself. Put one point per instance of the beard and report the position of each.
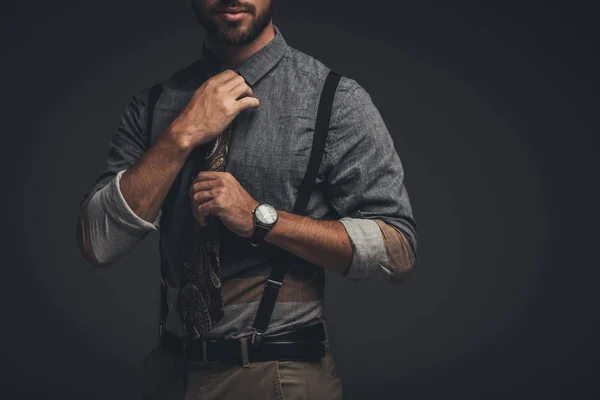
(233, 33)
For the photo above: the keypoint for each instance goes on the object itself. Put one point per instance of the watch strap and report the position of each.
(259, 234)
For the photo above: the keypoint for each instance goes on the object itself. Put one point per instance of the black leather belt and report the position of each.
(306, 343)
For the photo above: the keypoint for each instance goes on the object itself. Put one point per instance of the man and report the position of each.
(245, 112)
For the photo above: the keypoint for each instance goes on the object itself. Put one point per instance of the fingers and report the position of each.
(198, 199)
(208, 176)
(202, 196)
(210, 180)
(233, 82)
(208, 205)
(198, 186)
(238, 87)
(202, 183)
(203, 211)
(246, 102)
(241, 90)
(224, 76)
(202, 191)
(244, 96)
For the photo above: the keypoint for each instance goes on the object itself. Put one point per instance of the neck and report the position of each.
(232, 56)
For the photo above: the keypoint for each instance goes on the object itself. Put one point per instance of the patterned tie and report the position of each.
(200, 302)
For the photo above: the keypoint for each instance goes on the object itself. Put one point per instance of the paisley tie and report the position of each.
(200, 301)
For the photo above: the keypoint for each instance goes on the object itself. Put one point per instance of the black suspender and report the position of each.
(153, 96)
(318, 145)
(275, 281)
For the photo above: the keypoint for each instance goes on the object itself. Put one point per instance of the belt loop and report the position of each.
(204, 352)
(244, 348)
(256, 336)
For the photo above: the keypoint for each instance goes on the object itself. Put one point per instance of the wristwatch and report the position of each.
(265, 217)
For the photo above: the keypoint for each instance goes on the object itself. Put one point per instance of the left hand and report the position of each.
(220, 194)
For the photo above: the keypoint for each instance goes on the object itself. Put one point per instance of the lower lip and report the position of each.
(234, 16)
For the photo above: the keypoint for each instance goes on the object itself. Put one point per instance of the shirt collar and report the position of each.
(255, 66)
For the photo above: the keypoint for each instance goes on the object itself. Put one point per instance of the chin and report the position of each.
(233, 26)
(234, 36)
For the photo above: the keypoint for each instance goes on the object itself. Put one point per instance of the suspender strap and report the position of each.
(153, 96)
(319, 140)
(275, 281)
(164, 306)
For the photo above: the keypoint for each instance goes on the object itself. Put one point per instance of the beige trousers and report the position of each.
(265, 380)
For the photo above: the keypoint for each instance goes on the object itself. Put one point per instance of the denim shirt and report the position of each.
(359, 183)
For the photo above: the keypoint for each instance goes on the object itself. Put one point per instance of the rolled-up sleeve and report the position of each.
(107, 228)
(116, 207)
(366, 187)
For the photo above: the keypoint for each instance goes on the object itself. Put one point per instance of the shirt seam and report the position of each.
(329, 150)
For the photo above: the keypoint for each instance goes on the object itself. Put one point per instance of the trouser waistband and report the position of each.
(303, 344)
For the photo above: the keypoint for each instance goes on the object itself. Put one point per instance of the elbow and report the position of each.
(380, 252)
(401, 255)
(86, 249)
(93, 260)
(402, 268)
(399, 274)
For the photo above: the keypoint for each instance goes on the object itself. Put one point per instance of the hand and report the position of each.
(212, 108)
(220, 194)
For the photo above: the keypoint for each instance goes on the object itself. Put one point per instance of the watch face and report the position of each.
(266, 214)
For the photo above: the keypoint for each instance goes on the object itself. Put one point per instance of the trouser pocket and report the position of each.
(313, 380)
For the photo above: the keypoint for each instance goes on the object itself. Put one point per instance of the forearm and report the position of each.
(121, 214)
(324, 243)
(146, 183)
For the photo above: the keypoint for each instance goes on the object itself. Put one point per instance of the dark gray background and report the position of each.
(493, 111)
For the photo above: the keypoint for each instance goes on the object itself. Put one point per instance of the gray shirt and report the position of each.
(360, 181)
